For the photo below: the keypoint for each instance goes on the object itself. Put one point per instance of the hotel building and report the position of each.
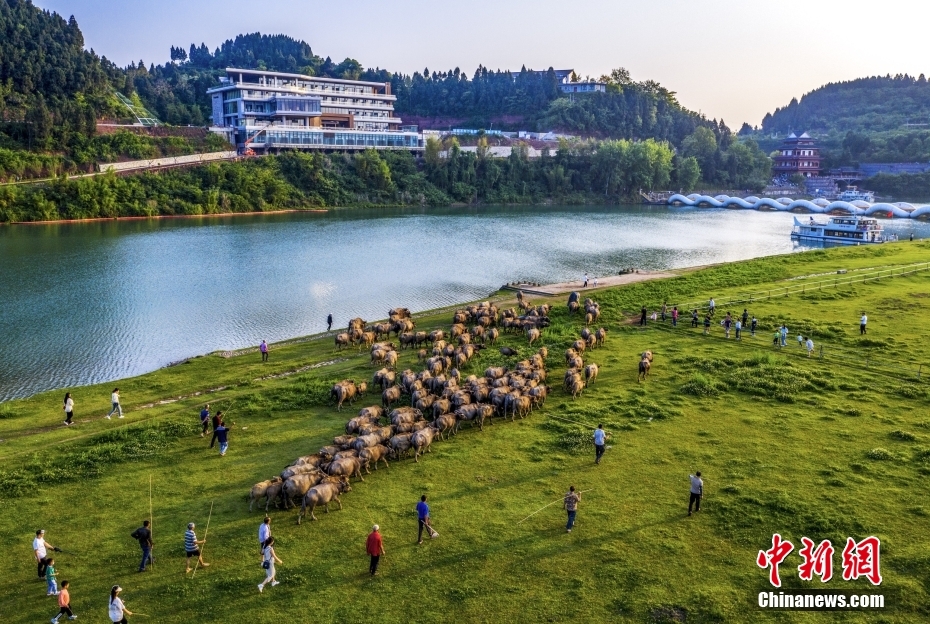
(268, 111)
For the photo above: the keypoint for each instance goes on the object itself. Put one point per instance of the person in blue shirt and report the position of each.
(205, 419)
(423, 520)
(600, 439)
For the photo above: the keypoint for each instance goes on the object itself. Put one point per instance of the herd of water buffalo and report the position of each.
(440, 399)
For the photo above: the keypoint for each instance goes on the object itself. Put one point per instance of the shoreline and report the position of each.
(201, 216)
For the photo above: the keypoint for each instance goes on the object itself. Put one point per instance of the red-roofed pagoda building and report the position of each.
(797, 154)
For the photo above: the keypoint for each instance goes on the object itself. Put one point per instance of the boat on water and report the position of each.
(852, 194)
(840, 230)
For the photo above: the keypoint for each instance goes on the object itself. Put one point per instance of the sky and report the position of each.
(729, 59)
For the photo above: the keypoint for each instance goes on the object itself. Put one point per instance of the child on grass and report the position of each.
(50, 579)
(64, 603)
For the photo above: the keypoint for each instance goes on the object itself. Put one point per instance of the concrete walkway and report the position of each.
(548, 290)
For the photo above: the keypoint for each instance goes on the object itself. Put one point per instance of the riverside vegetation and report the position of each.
(824, 448)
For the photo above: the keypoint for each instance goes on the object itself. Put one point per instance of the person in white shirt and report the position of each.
(862, 322)
(810, 346)
(114, 399)
(697, 492)
(264, 532)
(600, 439)
(69, 409)
(40, 547)
(118, 610)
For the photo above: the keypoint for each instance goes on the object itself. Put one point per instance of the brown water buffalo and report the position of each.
(410, 427)
(345, 390)
(507, 351)
(344, 454)
(297, 486)
(601, 336)
(436, 335)
(372, 455)
(400, 313)
(390, 358)
(538, 394)
(576, 387)
(313, 460)
(384, 378)
(590, 373)
(270, 489)
(421, 441)
(342, 340)
(645, 364)
(579, 346)
(324, 494)
(291, 471)
(390, 395)
(399, 444)
(444, 423)
(345, 466)
(441, 406)
(405, 415)
(576, 362)
(543, 353)
(366, 441)
(327, 453)
(343, 442)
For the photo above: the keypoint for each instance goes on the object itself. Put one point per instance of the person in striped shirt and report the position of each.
(192, 546)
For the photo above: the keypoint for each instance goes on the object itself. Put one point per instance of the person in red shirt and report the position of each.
(375, 548)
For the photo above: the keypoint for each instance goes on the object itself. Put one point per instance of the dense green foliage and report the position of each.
(584, 172)
(867, 104)
(50, 87)
(727, 162)
(902, 186)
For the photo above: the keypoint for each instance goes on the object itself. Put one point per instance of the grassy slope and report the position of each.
(799, 464)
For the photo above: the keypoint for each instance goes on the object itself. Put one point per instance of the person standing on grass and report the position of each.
(697, 492)
(752, 327)
(222, 434)
(664, 310)
(51, 577)
(642, 317)
(745, 317)
(571, 506)
(585, 285)
(69, 409)
(64, 603)
(263, 347)
(862, 322)
(205, 419)
(191, 546)
(423, 521)
(727, 321)
(810, 346)
(739, 329)
(264, 532)
(118, 610)
(40, 547)
(217, 423)
(600, 439)
(694, 318)
(374, 546)
(675, 316)
(144, 535)
(114, 399)
(269, 558)
(329, 322)
(711, 306)
(706, 324)
(784, 335)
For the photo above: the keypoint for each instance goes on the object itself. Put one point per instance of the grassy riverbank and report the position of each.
(823, 448)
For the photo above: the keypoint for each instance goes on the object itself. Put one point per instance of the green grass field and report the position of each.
(825, 447)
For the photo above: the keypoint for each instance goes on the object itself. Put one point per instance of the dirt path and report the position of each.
(549, 290)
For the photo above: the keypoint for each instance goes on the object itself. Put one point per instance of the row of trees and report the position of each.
(612, 170)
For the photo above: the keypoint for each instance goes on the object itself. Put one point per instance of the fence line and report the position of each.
(834, 353)
(835, 282)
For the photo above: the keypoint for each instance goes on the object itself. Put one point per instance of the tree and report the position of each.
(687, 173)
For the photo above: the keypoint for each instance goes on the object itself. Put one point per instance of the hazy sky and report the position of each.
(730, 59)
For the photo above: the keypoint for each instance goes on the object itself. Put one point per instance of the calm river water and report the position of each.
(85, 303)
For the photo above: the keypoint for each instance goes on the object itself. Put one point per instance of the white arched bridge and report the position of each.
(819, 206)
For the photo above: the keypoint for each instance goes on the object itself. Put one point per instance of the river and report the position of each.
(90, 302)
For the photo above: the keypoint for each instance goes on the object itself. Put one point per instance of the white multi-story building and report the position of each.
(267, 111)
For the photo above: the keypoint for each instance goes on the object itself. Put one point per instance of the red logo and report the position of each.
(859, 559)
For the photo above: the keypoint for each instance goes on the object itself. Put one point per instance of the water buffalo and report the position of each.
(444, 423)
(324, 494)
(270, 489)
(298, 485)
(343, 391)
(390, 395)
(590, 373)
(345, 466)
(372, 455)
(421, 440)
(399, 444)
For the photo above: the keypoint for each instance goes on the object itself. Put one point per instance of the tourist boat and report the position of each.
(844, 230)
(853, 194)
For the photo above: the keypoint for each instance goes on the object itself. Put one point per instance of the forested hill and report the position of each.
(50, 87)
(876, 104)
